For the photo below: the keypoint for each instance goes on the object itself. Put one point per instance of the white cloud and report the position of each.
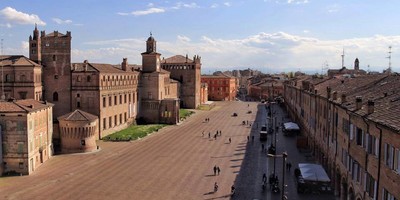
(14, 16)
(144, 12)
(214, 5)
(228, 4)
(153, 10)
(291, 1)
(60, 21)
(279, 51)
(183, 38)
(306, 31)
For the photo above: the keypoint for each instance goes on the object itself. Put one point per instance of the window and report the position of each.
(21, 165)
(124, 98)
(346, 126)
(115, 120)
(120, 118)
(104, 102)
(22, 95)
(150, 96)
(8, 78)
(359, 136)
(78, 104)
(109, 122)
(370, 185)
(4, 148)
(88, 78)
(20, 147)
(79, 78)
(56, 76)
(54, 58)
(109, 101)
(115, 100)
(104, 123)
(55, 96)
(389, 155)
(387, 195)
(120, 99)
(83, 143)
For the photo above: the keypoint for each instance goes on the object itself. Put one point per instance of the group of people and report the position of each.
(207, 120)
(217, 170)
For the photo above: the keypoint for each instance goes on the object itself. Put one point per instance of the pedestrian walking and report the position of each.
(209, 134)
(290, 166)
(218, 170)
(287, 166)
(215, 170)
(262, 147)
(215, 187)
(230, 140)
(252, 138)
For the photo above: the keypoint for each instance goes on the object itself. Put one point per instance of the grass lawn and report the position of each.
(133, 132)
(183, 113)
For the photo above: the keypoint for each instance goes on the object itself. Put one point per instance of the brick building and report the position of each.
(25, 135)
(352, 128)
(22, 78)
(107, 92)
(158, 93)
(187, 72)
(78, 132)
(221, 87)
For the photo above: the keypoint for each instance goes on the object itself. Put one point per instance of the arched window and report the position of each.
(78, 78)
(88, 78)
(55, 96)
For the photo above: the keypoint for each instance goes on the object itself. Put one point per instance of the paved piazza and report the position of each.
(174, 163)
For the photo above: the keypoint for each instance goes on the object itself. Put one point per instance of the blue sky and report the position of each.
(269, 35)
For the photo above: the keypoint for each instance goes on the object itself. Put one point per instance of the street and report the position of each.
(174, 163)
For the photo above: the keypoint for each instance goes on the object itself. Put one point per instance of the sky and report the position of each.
(267, 35)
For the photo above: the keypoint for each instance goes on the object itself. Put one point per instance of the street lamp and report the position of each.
(284, 156)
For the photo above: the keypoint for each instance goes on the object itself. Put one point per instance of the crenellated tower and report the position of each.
(56, 62)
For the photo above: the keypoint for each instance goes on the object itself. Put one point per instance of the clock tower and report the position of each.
(150, 58)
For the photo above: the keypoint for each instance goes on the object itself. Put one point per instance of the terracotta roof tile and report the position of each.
(78, 115)
(177, 59)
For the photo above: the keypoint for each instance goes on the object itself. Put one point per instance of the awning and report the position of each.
(313, 172)
(291, 126)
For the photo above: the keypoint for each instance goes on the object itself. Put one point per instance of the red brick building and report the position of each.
(221, 87)
(352, 128)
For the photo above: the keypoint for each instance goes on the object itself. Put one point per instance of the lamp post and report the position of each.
(283, 156)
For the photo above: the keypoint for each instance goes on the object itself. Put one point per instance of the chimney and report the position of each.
(343, 98)
(371, 106)
(124, 64)
(358, 102)
(334, 95)
(328, 92)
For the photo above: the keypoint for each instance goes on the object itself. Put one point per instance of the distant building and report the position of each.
(187, 72)
(22, 78)
(221, 87)
(25, 135)
(344, 70)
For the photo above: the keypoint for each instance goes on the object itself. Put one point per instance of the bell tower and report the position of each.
(150, 58)
(35, 43)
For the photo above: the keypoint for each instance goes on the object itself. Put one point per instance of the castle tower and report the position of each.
(150, 58)
(356, 65)
(35, 53)
(56, 61)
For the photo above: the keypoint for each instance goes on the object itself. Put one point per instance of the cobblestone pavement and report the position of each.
(175, 163)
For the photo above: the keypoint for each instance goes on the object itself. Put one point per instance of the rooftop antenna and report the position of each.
(390, 60)
(3, 97)
(343, 58)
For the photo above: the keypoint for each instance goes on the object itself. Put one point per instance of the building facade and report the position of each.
(53, 52)
(158, 93)
(221, 87)
(351, 127)
(107, 92)
(22, 78)
(26, 135)
(78, 132)
(187, 72)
